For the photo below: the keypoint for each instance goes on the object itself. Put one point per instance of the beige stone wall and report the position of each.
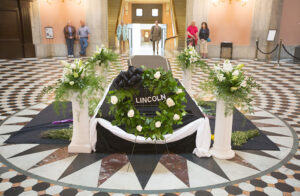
(56, 14)
(96, 20)
(290, 23)
(265, 14)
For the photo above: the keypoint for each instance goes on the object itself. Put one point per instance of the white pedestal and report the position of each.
(223, 130)
(100, 70)
(81, 127)
(187, 80)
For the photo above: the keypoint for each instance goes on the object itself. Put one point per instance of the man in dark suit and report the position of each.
(70, 33)
(155, 36)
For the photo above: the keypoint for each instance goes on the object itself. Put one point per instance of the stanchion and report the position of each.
(256, 51)
(279, 53)
(266, 53)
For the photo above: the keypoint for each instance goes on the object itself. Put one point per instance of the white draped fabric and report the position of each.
(203, 138)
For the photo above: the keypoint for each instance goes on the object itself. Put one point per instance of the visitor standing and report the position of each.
(155, 36)
(83, 33)
(192, 31)
(70, 33)
(204, 38)
(122, 33)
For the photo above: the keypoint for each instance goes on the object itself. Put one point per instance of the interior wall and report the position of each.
(166, 17)
(147, 17)
(127, 13)
(56, 14)
(259, 15)
(230, 22)
(290, 23)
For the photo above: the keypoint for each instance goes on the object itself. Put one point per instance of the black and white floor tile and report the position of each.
(32, 169)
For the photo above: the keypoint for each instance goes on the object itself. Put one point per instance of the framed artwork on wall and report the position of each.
(49, 33)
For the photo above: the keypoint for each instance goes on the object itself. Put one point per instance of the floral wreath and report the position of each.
(156, 81)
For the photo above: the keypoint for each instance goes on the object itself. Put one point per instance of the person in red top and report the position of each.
(192, 31)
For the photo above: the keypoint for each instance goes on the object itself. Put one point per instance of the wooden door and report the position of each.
(15, 34)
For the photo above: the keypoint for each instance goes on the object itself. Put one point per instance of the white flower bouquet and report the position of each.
(103, 56)
(230, 84)
(189, 58)
(77, 78)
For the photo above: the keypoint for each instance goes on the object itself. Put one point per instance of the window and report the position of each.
(139, 12)
(154, 12)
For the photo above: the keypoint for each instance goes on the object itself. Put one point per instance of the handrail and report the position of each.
(120, 12)
(175, 15)
(173, 37)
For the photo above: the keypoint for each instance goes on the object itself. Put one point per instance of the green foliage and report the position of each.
(63, 134)
(165, 84)
(77, 78)
(103, 56)
(208, 107)
(188, 58)
(230, 85)
(239, 138)
(93, 103)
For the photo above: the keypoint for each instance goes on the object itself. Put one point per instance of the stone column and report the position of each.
(36, 27)
(197, 11)
(96, 20)
(266, 15)
(275, 20)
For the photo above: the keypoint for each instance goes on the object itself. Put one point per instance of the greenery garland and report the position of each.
(171, 110)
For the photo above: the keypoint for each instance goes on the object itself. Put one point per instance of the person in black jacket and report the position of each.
(203, 36)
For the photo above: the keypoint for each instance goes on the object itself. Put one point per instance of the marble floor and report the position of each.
(34, 169)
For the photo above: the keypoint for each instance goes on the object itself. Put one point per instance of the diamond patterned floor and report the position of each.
(22, 82)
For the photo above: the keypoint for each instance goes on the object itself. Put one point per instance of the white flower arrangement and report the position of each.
(114, 100)
(157, 75)
(170, 102)
(220, 77)
(244, 83)
(102, 56)
(227, 66)
(189, 58)
(139, 128)
(176, 117)
(229, 83)
(130, 113)
(179, 91)
(73, 71)
(77, 77)
(158, 124)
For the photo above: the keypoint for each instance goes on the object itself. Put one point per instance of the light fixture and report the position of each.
(216, 2)
(76, 1)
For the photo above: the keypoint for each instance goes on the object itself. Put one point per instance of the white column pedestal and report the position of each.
(81, 127)
(101, 70)
(223, 129)
(187, 80)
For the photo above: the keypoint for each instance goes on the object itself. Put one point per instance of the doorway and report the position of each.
(139, 39)
(142, 14)
(16, 36)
